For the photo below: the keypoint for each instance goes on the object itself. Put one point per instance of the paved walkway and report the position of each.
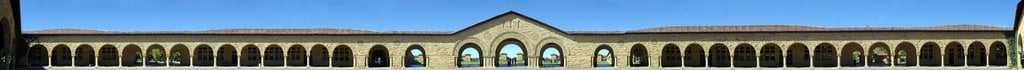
(516, 68)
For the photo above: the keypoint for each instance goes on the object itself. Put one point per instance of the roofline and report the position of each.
(510, 12)
(1018, 16)
(626, 33)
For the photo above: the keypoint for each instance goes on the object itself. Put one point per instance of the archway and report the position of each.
(204, 55)
(415, 56)
(694, 56)
(108, 55)
(906, 54)
(84, 56)
(976, 54)
(852, 56)
(771, 55)
(37, 56)
(250, 56)
(719, 56)
(824, 55)
(798, 56)
(511, 52)
(296, 55)
(745, 56)
(954, 54)
(638, 56)
(879, 55)
(227, 56)
(671, 56)
(998, 54)
(931, 54)
(603, 56)
(61, 56)
(273, 55)
(556, 58)
(179, 55)
(132, 56)
(342, 56)
(378, 57)
(318, 56)
(470, 56)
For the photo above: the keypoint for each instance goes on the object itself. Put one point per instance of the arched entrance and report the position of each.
(638, 56)
(378, 57)
(954, 54)
(204, 55)
(998, 54)
(273, 55)
(511, 52)
(879, 55)
(250, 56)
(342, 56)
(771, 55)
(603, 57)
(824, 55)
(745, 56)
(179, 55)
(61, 56)
(906, 54)
(798, 56)
(694, 56)
(415, 56)
(719, 56)
(671, 56)
(469, 56)
(132, 56)
(318, 56)
(108, 55)
(976, 54)
(931, 54)
(555, 57)
(84, 56)
(296, 55)
(852, 56)
(227, 56)
(37, 56)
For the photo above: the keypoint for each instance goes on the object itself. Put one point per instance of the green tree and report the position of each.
(157, 55)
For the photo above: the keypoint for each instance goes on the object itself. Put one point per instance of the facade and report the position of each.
(10, 26)
(673, 47)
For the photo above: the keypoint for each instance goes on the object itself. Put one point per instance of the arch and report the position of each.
(250, 56)
(273, 55)
(998, 54)
(880, 55)
(798, 55)
(638, 56)
(555, 59)
(61, 55)
(108, 55)
(37, 55)
(467, 60)
(132, 56)
(227, 56)
(931, 54)
(519, 60)
(84, 56)
(694, 56)
(824, 55)
(605, 59)
(296, 55)
(413, 59)
(852, 56)
(906, 54)
(745, 56)
(318, 56)
(719, 54)
(179, 55)
(342, 56)
(204, 55)
(671, 56)
(378, 57)
(954, 54)
(771, 55)
(976, 54)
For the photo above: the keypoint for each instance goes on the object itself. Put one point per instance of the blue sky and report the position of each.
(451, 15)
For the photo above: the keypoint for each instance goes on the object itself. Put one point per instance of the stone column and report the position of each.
(707, 64)
(964, 54)
(811, 62)
(285, 58)
(732, 59)
(785, 63)
(307, 60)
(95, 59)
(145, 60)
(215, 58)
(73, 59)
(49, 59)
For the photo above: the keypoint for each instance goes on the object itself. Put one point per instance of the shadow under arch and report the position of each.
(467, 60)
(607, 60)
(378, 57)
(412, 60)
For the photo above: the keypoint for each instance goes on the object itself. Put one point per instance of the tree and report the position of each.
(157, 55)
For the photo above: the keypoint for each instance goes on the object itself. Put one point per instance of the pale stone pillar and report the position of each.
(145, 60)
(964, 55)
(285, 59)
(215, 58)
(73, 59)
(917, 62)
(785, 63)
(732, 59)
(811, 62)
(49, 59)
(707, 62)
(96, 59)
(307, 60)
